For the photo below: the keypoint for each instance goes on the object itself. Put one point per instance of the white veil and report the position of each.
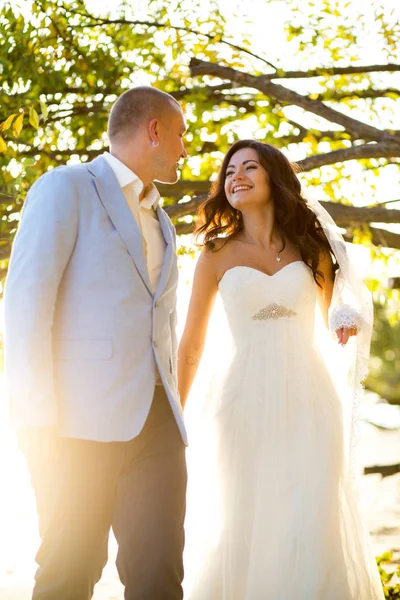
(351, 307)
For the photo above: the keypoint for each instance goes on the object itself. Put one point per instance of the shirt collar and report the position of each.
(126, 176)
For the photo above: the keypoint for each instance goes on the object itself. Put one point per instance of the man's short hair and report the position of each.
(136, 106)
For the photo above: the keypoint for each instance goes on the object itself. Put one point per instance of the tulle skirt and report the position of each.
(272, 510)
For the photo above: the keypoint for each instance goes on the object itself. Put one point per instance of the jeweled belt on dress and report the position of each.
(273, 311)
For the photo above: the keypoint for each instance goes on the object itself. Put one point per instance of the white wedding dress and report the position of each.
(272, 513)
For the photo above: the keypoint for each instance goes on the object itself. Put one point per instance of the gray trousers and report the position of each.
(138, 488)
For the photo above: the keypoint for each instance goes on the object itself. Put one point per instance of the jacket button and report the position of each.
(155, 344)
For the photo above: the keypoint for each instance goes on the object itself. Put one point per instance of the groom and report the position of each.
(90, 311)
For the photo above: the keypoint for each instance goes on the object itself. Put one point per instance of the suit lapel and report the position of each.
(114, 202)
(169, 251)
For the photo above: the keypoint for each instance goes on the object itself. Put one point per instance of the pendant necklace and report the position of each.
(278, 254)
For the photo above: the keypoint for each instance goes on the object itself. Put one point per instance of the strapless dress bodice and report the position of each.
(253, 299)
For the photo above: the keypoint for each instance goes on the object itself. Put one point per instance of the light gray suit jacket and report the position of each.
(83, 330)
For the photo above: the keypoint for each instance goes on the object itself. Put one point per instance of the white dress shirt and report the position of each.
(144, 214)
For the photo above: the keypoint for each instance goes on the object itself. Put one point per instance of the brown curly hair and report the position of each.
(294, 220)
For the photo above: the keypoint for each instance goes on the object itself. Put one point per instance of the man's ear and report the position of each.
(153, 132)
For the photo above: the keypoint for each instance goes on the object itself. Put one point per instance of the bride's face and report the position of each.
(246, 181)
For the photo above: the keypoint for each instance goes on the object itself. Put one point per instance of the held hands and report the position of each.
(344, 333)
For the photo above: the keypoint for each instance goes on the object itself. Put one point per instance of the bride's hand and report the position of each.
(344, 334)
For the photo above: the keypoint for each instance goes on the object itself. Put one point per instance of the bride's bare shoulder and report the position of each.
(217, 250)
(216, 245)
(217, 256)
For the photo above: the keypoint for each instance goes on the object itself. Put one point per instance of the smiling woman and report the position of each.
(254, 175)
(279, 481)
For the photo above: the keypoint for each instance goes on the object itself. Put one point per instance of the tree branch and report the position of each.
(387, 239)
(78, 90)
(225, 91)
(184, 228)
(356, 128)
(177, 211)
(394, 283)
(342, 214)
(384, 470)
(183, 188)
(299, 126)
(373, 150)
(297, 138)
(324, 71)
(216, 93)
(55, 154)
(76, 110)
(337, 96)
(98, 22)
(379, 237)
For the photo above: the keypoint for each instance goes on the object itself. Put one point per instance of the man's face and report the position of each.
(171, 148)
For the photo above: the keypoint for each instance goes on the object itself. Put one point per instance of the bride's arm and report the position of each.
(325, 287)
(204, 290)
(324, 294)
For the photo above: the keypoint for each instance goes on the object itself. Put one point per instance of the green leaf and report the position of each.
(44, 110)
(91, 79)
(7, 123)
(3, 146)
(33, 117)
(28, 162)
(18, 124)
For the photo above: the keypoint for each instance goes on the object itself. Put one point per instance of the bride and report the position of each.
(277, 518)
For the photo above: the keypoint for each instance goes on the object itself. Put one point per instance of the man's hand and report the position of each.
(344, 334)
